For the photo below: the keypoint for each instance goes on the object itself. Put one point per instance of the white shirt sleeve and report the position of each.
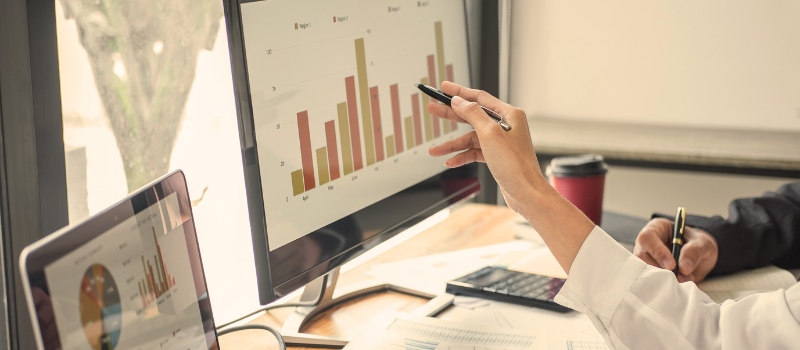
(637, 306)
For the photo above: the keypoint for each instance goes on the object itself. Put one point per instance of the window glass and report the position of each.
(146, 88)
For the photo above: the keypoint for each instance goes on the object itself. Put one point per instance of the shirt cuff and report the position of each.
(600, 276)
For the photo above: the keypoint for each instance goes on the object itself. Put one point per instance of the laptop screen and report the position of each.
(132, 279)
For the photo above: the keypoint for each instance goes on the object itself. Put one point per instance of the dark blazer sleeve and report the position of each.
(758, 232)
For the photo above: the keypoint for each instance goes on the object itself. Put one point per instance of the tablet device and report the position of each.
(129, 277)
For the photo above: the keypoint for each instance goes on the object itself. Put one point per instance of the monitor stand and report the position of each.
(319, 296)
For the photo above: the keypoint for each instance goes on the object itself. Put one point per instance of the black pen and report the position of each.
(677, 236)
(442, 97)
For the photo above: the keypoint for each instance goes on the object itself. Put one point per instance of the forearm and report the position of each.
(758, 231)
(636, 306)
(562, 226)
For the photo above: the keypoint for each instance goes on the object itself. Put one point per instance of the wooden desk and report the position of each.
(770, 153)
(469, 226)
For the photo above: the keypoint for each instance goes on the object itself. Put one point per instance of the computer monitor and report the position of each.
(334, 134)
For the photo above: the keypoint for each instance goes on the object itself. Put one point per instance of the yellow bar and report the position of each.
(322, 165)
(363, 93)
(297, 182)
(426, 116)
(344, 137)
(409, 133)
(440, 53)
(389, 146)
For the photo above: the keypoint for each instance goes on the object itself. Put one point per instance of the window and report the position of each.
(146, 88)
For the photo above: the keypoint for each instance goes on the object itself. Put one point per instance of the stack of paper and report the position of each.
(393, 330)
(747, 282)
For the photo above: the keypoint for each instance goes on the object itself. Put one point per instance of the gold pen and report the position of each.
(677, 236)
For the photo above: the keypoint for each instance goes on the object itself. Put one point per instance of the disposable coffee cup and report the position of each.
(581, 180)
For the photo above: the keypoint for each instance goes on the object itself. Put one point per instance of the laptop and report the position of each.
(129, 277)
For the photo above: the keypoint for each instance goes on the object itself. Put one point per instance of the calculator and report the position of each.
(509, 286)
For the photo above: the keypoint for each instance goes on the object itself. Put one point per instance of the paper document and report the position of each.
(430, 273)
(586, 345)
(394, 330)
(748, 282)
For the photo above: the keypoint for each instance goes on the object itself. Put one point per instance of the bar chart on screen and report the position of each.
(335, 109)
(154, 285)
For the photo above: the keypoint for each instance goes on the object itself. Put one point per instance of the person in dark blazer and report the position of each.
(758, 232)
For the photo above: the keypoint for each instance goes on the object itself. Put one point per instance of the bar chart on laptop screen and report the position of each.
(339, 123)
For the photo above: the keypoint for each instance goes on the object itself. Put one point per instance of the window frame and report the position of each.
(33, 187)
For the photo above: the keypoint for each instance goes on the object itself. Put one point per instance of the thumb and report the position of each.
(472, 113)
(690, 256)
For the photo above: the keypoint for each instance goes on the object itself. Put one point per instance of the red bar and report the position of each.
(450, 73)
(432, 82)
(352, 113)
(417, 122)
(333, 152)
(432, 72)
(153, 280)
(398, 125)
(376, 123)
(453, 125)
(145, 281)
(305, 149)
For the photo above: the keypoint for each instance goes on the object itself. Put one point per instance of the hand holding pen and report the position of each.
(512, 160)
(698, 254)
(442, 97)
(509, 154)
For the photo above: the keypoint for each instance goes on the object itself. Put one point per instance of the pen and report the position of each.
(677, 236)
(442, 97)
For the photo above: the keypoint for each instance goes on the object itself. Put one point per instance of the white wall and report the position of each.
(710, 63)
(640, 192)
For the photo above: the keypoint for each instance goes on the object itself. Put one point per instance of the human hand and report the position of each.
(512, 161)
(698, 254)
(509, 154)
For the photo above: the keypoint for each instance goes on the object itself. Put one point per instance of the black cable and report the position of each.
(265, 308)
(281, 343)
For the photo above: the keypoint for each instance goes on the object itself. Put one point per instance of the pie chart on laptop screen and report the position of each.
(100, 308)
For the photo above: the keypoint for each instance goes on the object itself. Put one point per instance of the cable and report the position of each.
(263, 309)
(281, 343)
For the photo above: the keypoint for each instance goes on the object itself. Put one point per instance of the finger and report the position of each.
(691, 254)
(647, 258)
(444, 111)
(466, 157)
(481, 97)
(473, 114)
(657, 249)
(685, 278)
(463, 142)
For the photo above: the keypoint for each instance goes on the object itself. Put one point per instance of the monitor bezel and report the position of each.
(267, 290)
(42, 253)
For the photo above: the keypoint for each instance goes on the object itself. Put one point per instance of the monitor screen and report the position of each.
(128, 278)
(341, 133)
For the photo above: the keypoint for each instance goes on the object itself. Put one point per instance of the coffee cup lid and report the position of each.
(577, 166)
